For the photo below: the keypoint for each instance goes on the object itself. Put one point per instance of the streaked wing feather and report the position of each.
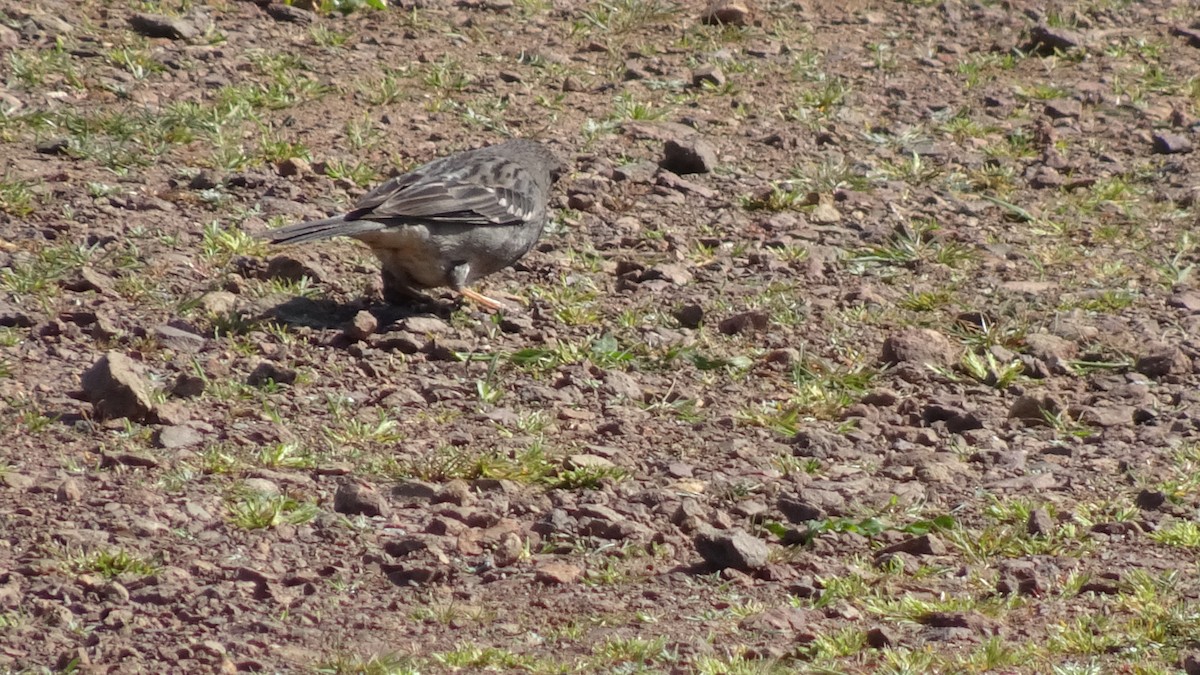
(382, 193)
(433, 195)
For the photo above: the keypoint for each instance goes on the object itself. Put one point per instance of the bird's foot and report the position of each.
(494, 305)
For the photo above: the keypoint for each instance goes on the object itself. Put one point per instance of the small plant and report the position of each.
(1180, 534)
(137, 63)
(255, 510)
(359, 173)
(349, 6)
(325, 36)
(113, 563)
(587, 477)
(16, 196)
(779, 197)
(614, 17)
(985, 368)
(285, 456)
(377, 664)
(220, 244)
(912, 246)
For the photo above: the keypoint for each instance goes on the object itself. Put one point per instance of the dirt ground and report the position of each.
(864, 340)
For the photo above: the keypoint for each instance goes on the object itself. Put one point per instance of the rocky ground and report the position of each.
(864, 340)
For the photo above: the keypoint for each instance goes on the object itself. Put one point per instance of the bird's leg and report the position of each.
(397, 290)
(459, 276)
(482, 299)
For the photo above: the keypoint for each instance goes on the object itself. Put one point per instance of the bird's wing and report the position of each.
(442, 194)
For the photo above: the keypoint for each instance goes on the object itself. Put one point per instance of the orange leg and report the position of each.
(482, 299)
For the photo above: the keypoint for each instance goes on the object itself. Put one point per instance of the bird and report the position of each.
(449, 222)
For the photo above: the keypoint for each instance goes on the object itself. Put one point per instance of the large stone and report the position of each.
(735, 549)
(115, 389)
(919, 345)
(688, 155)
(728, 12)
(355, 498)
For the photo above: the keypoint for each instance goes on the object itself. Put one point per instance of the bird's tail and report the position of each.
(318, 229)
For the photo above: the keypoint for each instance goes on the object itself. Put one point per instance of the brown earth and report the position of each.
(900, 375)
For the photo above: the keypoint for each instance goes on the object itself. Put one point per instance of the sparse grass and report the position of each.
(913, 246)
(344, 663)
(221, 244)
(112, 563)
(617, 17)
(36, 275)
(254, 510)
(16, 196)
(1183, 534)
(820, 390)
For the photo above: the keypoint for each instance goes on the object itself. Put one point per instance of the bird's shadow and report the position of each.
(330, 314)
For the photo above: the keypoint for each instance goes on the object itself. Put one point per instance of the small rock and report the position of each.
(288, 268)
(12, 316)
(1150, 500)
(1188, 301)
(53, 146)
(188, 386)
(293, 166)
(1168, 143)
(688, 155)
(1104, 415)
(355, 498)
(729, 12)
(1050, 348)
(426, 325)
(672, 272)
(68, 491)
(926, 544)
(637, 172)
(746, 322)
(1046, 177)
(1161, 360)
(1033, 409)
(508, 551)
(919, 345)
(262, 486)
(1044, 39)
(159, 26)
(455, 492)
(267, 371)
(1192, 35)
(557, 574)
(689, 315)
(179, 339)
(116, 389)
(798, 511)
(708, 74)
(1191, 662)
(1039, 523)
(824, 213)
(1064, 108)
(734, 549)
(218, 302)
(362, 326)
(178, 436)
(879, 638)
(290, 13)
(583, 461)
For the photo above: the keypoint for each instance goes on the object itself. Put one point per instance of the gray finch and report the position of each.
(449, 222)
